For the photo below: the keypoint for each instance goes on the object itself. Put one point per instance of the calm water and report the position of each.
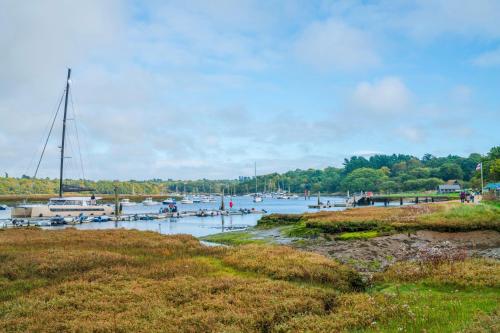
(202, 226)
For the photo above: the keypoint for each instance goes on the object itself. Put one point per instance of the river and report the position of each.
(202, 226)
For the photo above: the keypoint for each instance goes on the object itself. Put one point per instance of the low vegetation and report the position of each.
(449, 217)
(131, 281)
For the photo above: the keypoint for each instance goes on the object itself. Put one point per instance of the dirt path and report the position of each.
(377, 253)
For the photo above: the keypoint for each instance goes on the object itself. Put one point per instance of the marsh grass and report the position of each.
(285, 263)
(233, 238)
(358, 235)
(466, 273)
(131, 281)
(446, 217)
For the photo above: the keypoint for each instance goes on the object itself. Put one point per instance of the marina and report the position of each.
(197, 219)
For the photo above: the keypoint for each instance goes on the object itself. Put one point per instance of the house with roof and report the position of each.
(492, 187)
(450, 187)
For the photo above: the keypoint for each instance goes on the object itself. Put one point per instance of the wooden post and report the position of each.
(416, 200)
(222, 207)
(117, 208)
(401, 201)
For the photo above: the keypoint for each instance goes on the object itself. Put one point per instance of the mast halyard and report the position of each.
(61, 169)
(255, 170)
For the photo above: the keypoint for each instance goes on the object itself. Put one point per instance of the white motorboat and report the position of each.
(187, 201)
(150, 202)
(127, 202)
(257, 198)
(3, 207)
(169, 201)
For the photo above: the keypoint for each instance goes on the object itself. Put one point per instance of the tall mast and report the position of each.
(61, 169)
(255, 178)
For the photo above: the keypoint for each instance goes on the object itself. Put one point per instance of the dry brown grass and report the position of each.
(467, 273)
(351, 311)
(285, 263)
(449, 216)
(130, 281)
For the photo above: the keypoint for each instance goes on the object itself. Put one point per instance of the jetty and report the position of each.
(59, 220)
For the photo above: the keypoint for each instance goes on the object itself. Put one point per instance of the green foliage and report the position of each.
(495, 169)
(358, 235)
(449, 171)
(232, 238)
(364, 179)
(385, 173)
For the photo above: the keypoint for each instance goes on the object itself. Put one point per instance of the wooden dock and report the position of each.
(45, 222)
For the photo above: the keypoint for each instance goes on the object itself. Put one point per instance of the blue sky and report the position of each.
(192, 89)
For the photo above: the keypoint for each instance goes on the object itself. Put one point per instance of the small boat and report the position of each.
(3, 207)
(149, 202)
(103, 218)
(127, 202)
(42, 223)
(169, 201)
(196, 199)
(257, 198)
(187, 201)
(57, 220)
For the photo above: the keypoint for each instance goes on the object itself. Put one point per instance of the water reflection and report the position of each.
(200, 226)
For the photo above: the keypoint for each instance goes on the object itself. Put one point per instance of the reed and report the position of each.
(131, 281)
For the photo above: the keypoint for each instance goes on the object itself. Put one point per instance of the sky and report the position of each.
(203, 89)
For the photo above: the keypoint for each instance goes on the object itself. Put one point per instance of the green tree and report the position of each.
(364, 179)
(449, 171)
(494, 174)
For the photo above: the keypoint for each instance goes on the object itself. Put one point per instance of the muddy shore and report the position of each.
(375, 254)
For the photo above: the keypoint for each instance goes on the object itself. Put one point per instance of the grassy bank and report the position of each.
(447, 217)
(130, 281)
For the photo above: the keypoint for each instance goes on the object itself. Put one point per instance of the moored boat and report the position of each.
(64, 207)
(127, 202)
(149, 202)
(169, 201)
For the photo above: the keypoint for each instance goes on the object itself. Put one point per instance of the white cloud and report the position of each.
(333, 44)
(386, 96)
(488, 59)
(411, 133)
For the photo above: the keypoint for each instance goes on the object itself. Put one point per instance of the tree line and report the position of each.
(378, 173)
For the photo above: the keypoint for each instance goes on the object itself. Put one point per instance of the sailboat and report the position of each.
(64, 206)
(256, 197)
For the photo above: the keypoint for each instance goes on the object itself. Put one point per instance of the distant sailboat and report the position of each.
(257, 197)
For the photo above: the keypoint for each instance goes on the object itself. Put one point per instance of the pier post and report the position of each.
(401, 201)
(117, 208)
